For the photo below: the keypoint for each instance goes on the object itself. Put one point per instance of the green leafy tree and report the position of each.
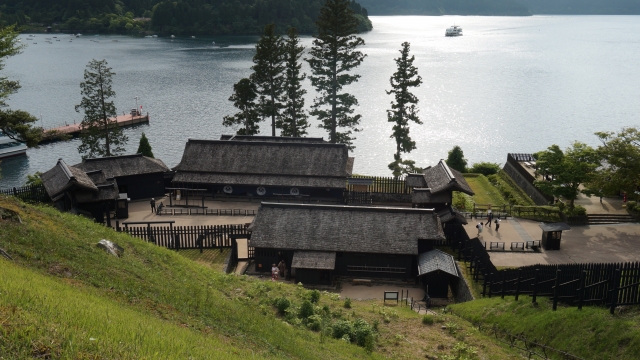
(403, 109)
(456, 159)
(333, 56)
(16, 124)
(35, 179)
(620, 156)
(145, 148)
(100, 134)
(244, 97)
(566, 170)
(268, 74)
(485, 168)
(293, 121)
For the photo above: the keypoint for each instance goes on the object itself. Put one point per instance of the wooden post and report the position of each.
(518, 283)
(583, 275)
(535, 286)
(502, 288)
(614, 292)
(117, 226)
(555, 290)
(484, 283)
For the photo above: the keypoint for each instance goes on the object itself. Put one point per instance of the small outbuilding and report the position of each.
(138, 176)
(436, 269)
(300, 168)
(319, 242)
(552, 234)
(435, 186)
(71, 189)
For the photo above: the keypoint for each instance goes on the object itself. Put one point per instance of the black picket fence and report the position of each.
(189, 237)
(387, 185)
(32, 193)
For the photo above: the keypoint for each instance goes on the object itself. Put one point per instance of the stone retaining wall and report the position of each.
(538, 197)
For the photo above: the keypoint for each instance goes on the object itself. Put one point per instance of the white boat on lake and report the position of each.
(10, 147)
(455, 30)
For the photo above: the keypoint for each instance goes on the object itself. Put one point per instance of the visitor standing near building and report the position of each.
(497, 221)
(274, 272)
(153, 205)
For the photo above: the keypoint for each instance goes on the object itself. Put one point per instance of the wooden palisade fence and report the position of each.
(189, 237)
(34, 193)
(387, 185)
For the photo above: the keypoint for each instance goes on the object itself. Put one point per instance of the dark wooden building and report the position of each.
(436, 270)
(138, 176)
(265, 167)
(434, 189)
(71, 189)
(318, 242)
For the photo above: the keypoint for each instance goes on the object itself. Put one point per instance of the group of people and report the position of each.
(276, 271)
(490, 219)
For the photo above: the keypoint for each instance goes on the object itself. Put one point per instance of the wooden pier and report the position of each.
(61, 132)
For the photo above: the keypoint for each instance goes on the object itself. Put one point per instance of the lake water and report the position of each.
(510, 84)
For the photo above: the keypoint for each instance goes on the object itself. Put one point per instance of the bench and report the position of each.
(496, 246)
(533, 244)
(517, 246)
(361, 281)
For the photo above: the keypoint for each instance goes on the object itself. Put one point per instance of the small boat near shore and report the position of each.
(455, 30)
(10, 147)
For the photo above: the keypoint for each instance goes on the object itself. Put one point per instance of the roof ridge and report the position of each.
(114, 157)
(448, 171)
(347, 208)
(268, 143)
(66, 170)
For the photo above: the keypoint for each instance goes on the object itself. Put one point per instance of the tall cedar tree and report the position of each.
(403, 109)
(268, 74)
(456, 159)
(333, 55)
(101, 135)
(16, 124)
(144, 148)
(244, 97)
(293, 121)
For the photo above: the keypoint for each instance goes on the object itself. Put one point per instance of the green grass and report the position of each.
(511, 192)
(485, 192)
(213, 258)
(590, 333)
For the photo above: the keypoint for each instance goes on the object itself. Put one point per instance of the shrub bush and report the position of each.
(314, 322)
(577, 210)
(632, 206)
(428, 319)
(341, 328)
(347, 303)
(361, 330)
(306, 309)
(282, 304)
(314, 296)
(485, 168)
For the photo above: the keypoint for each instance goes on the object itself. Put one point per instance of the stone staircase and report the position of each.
(600, 219)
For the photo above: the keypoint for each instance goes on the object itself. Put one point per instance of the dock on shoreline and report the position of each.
(73, 130)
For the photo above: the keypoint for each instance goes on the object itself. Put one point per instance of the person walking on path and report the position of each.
(489, 218)
(153, 205)
(479, 227)
(497, 221)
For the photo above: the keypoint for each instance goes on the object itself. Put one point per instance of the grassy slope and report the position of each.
(485, 192)
(64, 297)
(591, 333)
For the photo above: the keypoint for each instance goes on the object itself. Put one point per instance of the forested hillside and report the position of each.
(445, 7)
(188, 17)
(583, 7)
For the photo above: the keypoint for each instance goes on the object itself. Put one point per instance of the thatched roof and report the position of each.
(264, 163)
(425, 196)
(125, 165)
(448, 214)
(90, 187)
(343, 228)
(62, 177)
(442, 178)
(272, 138)
(436, 260)
(415, 181)
(322, 260)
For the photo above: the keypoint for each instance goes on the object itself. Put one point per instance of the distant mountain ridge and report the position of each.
(501, 7)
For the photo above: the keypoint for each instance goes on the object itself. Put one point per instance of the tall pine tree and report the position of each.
(244, 97)
(101, 135)
(293, 121)
(403, 109)
(268, 74)
(333, 55)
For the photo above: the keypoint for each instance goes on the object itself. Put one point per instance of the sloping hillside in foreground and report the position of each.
(62, 297)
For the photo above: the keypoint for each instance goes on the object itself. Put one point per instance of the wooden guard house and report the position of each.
(434, 189)
(319, 242)
(138, 176)
(436, 270)
(265, 166)
(71, 189)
